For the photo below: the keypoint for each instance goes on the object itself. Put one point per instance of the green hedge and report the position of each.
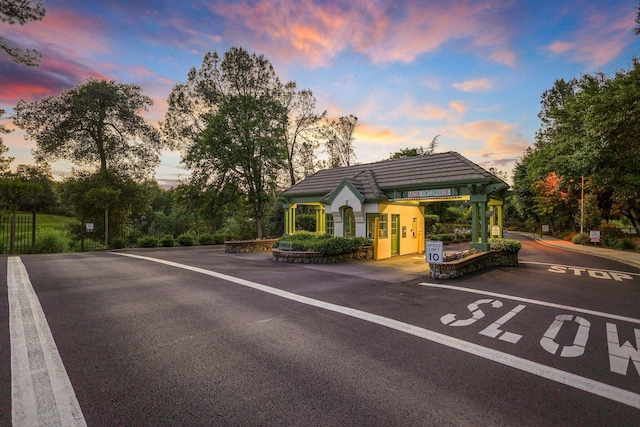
(147, 242)
(186, 239)
(508, 245)
(206, 239)
(325, 244)
(167, 241)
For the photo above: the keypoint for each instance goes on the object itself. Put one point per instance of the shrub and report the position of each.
(147, 242)
(341, 245)
(206, 239)
(608, 229)
(167, 241)
(459, 255)
(119, 243)
(186, 239)
(581, 239)
(219, 238)
(306, 222)
(430, 222)
(507, 245)
(443, 237)
(50, 241)
(626, 244)
(325, 244)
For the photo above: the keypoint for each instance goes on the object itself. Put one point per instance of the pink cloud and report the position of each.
(431, 112)
(601, 39)
(495, 139)
(476, 85)
(385, 31)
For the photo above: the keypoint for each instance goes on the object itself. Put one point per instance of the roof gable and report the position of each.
(329, 198)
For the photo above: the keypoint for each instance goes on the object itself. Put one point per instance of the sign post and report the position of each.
(594, 236)
(434, 252)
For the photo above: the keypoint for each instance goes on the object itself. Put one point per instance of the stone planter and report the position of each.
(306, 257)
(244, 246)
(453, 269)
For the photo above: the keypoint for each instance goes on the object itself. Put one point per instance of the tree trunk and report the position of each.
(259, 227)
(292, 175)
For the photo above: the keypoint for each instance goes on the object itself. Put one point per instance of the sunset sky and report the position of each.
(470, 71)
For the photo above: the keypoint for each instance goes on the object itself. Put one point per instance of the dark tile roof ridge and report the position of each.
(385, 172)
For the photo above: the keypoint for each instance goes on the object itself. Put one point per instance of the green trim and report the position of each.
(344, 183)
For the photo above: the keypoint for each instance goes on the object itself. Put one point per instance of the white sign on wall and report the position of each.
(434, 252)
(495, 230)
(430, 193)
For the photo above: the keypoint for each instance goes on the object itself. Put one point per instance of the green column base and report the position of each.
(482, 246)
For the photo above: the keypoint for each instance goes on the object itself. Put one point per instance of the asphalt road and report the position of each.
(222, 339)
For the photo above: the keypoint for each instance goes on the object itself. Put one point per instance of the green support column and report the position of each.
(479, 222)
(484, 226)
(321, 226)
(474, 223)
(497, 209)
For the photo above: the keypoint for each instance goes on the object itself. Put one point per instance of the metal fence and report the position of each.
(17, 235)
(21, 236)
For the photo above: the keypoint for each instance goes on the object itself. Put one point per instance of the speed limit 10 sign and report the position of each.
(434, 252)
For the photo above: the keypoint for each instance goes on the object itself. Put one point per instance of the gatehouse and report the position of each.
(385, 200)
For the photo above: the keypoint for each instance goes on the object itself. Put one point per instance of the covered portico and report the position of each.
(385, 200)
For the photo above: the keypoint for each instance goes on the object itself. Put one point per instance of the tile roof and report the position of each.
(372, 179)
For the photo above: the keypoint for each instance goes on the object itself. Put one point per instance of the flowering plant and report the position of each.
(459, 255)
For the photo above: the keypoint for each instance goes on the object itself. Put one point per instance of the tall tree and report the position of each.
(340, 139)
(302, 131)
(20, 12)
(590, 129)
(230, 117)
(97, 125)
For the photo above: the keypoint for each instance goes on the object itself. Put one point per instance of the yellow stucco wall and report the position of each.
(411, 242)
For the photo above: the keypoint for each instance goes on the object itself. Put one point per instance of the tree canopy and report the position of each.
(20, 12)
(231, 122)
(95, 125)
(589, 128)
(303, 128)
(340, 141)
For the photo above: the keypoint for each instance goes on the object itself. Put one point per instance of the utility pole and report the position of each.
(582, 205)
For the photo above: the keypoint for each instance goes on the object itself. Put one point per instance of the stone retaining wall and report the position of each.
(243, 246)
(451, 270)
(306, 257)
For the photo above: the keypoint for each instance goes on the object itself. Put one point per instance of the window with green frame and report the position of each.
(329, 224)
(349, 222)
(383, 232)
(384, 226)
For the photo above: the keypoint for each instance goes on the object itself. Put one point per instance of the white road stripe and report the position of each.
(41, 393)
(580, 268)
(533, 301)
(600, 389)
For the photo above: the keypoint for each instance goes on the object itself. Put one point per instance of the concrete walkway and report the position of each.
(627, 257)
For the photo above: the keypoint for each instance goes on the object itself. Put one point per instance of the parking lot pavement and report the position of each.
(396, 269)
